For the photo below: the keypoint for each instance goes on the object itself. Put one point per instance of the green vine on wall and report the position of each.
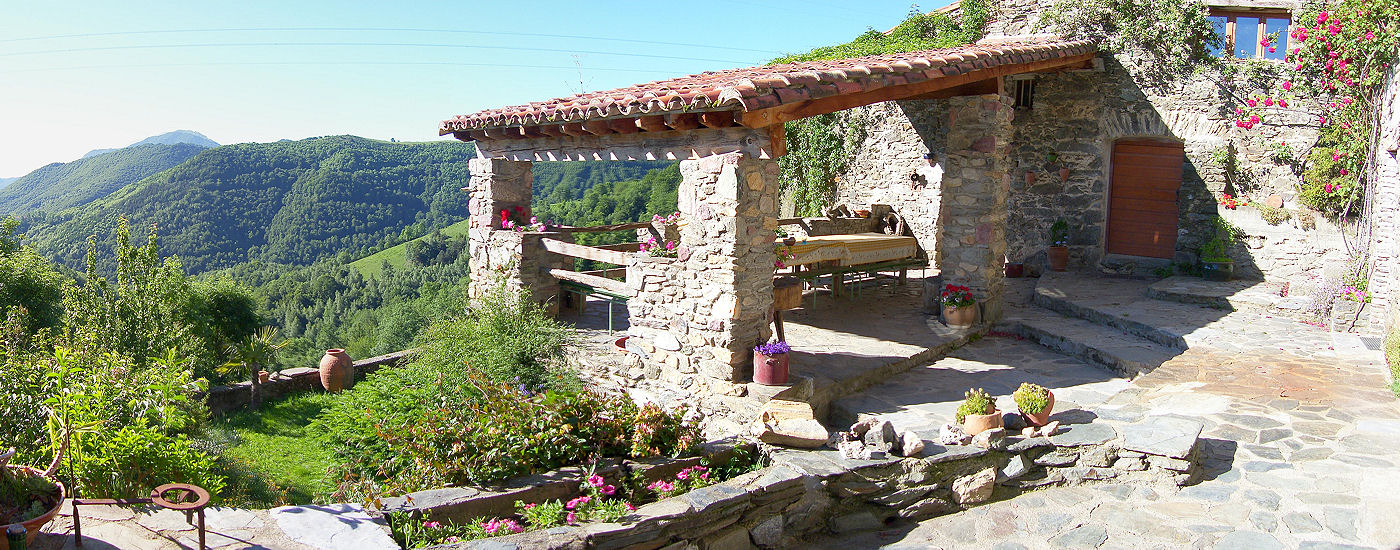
(820, 148)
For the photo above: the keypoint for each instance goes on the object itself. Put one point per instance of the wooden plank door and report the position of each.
(1142, 210)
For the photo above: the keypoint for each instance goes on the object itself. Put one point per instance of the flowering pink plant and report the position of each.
(957, 296)
(688, 479)
(653, 248)
(666, 220)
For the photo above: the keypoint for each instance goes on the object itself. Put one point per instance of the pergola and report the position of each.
(700, 313)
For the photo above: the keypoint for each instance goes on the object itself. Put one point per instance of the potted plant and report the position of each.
(1035, 403)
(770, 363)
(958, 310)
(1058, 252)
(28, 497)
(1216, 264)
(978, 412)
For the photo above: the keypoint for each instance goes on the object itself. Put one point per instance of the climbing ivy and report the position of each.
(820, 147)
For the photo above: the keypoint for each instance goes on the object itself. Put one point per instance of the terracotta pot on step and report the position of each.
(770, 370)
(33, 527)
(1064, 173)
(964, 316)
(263, 376)
(1059, 257)
(1030, 178)
(975, 424)
(1043, 417)
(337, 370)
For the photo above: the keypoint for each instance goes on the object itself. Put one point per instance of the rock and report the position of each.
(851, 449)
(859, 521)
(667, 342)
(1049, 429)
(1274, 201)
(1028, 432)
(790, 424)
(1013, 421)
(1163, 436)
(994, 438)
(1058, 457)
(951, 434)
(881, 437)
(1101, 456)
(769, 533)
(1017, 467)
(976, 487)
(927, 508)
(872, 454)
(910, 444)
(859, 429)
(333, 526)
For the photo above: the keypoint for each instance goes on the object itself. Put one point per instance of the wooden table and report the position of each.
(837, 255)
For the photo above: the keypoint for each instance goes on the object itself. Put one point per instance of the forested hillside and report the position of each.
(169, 138)
(64, 185)
(289, 202)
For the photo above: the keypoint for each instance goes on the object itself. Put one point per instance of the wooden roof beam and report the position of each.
(717, 119)
(655, 123)
(682, 121)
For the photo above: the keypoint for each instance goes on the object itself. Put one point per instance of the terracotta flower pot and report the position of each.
(1059, 257)
(964, 316)
(1043, 417)
(1015, 270)
(975, 424)
(264, 376)
(337, 370)
(34, 525)
(770, 370)
(1064, 173)
(621, 344)
(1030, 178)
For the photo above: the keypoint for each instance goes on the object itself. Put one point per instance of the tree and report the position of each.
(249, 356)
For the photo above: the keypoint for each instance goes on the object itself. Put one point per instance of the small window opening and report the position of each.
(1024, 93)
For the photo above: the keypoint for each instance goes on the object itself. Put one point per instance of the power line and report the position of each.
(382, 29)
(388, 63)
(375, 44)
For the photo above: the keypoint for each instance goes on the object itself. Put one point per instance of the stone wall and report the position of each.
(972, 221)
(1385, 213)
(225, 399)
(703, 311)
(803, 493)
(889, 165)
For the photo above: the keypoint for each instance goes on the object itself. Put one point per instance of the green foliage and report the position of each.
(288, 202)
(975, 401)
(133, 459)
(1169, 38)
(1059, 233)
(543, 515)
(1271, 215)
(282, 458)
(918, 31)
(506, 336)
(28, 281)
(1392, 356)
(1224, 234)
(1031, 398)
(60, 186)
(820, 149)
(24, 495)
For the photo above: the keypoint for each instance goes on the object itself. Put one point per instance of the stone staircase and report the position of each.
(1126, 325)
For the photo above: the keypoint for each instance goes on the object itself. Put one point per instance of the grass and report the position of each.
(1392, 356)
(275, 445)
(396, 256)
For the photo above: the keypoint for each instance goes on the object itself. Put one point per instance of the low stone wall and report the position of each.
(224, 399)
(805, 492)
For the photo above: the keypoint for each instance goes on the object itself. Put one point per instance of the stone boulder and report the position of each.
(789, 424)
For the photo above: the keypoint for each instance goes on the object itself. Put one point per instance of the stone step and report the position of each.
(1123, 304)
(1093, 343)
(1257, 296)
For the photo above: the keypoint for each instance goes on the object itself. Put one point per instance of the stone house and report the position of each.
(980, 148)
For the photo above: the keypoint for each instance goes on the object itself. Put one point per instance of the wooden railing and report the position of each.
(573, 250)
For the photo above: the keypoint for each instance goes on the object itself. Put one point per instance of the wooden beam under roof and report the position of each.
(668, 145)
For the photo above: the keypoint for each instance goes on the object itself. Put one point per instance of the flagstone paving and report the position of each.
(1302, 439)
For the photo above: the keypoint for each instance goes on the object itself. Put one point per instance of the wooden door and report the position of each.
(1142, 211)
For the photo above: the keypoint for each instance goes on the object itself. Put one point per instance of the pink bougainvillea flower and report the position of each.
(1322, 18)
(1239, 111)
(630, 507)
(1254, 119)
(1271, 49)
(1268, 102)
(432, 525)
(530, 505)
(1370, 35)
(683, 474)
(1251, 102)
(571, 518)
(1344, 171)
(1322, 120)
(1336, 156)
(1283, 103)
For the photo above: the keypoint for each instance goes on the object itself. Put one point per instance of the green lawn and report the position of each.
(373, 264)
(1392, 354)
(275, 445)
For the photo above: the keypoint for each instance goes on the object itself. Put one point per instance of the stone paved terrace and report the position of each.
(1301, 434)
(330, 527)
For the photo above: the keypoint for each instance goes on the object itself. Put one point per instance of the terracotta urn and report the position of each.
(1043, 417)
(1059, 257)
(337, 370)
(975, 424)
(964, 316)
(264, 376)
(770, 370)
(34, 525)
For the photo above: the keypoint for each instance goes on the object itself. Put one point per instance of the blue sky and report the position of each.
(76, 76)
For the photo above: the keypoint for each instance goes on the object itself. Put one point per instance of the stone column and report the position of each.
(503, 256)
(976, 182)
(703, 312)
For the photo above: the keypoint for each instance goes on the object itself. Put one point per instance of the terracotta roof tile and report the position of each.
(752, 88)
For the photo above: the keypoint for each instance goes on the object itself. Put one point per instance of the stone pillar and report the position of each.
(503, 256)
(703, 312)
(972, 218)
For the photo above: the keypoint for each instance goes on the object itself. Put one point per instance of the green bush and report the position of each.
(134, 459)
(505, 336)
(1031, 398)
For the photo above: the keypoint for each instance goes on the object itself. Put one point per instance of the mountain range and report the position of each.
(169, 138)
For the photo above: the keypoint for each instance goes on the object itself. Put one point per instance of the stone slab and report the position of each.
(333, 527)
(1075, 435)
(1163, 436)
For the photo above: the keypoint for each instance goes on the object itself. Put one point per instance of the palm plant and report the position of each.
(252, 354)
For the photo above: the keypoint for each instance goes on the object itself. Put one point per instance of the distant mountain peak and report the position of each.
(169, 138)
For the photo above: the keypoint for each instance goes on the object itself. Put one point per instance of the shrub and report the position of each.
(1031, 398)
(505, 336)
(974, 401)
(135, 459)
